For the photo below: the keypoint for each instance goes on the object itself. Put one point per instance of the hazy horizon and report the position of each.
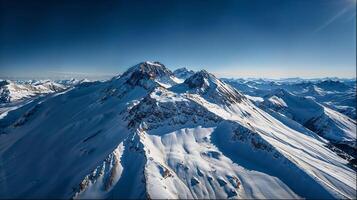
(58, 75)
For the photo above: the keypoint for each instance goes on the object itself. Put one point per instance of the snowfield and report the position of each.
(150, 134)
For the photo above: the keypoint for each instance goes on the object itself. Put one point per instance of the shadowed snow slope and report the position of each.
(143, 135)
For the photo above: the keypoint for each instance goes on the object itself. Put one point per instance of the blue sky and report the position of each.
(239, 38)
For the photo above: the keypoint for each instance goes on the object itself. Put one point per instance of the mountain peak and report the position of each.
(201, 79)
(183, 73)
(213, 88)
(152, 69)
(181, 69)
(143, 72)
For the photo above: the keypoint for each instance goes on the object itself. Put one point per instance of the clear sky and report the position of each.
(239, 38)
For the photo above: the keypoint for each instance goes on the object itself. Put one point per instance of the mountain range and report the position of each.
(153, 133)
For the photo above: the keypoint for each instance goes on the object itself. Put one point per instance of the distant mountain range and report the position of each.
(153, 133)
(13, 91)
(339, 95)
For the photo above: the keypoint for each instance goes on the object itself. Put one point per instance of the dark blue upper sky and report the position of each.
(240, 38)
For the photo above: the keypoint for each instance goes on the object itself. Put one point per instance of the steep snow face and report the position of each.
(120, 175)
(11, 91)
(328, 123)
(57, 140)
(132, 137)
(183, 73)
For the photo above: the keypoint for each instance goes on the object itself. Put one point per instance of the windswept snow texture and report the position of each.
(150, 134)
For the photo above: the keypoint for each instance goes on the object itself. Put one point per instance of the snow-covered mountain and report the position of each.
(71, 82)
(331, 85)
(147, 135)
(18, 90)
(337, 94)
(341, 100)
(12, 91)
(183, 73)
(141, 73)
(326, 122)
